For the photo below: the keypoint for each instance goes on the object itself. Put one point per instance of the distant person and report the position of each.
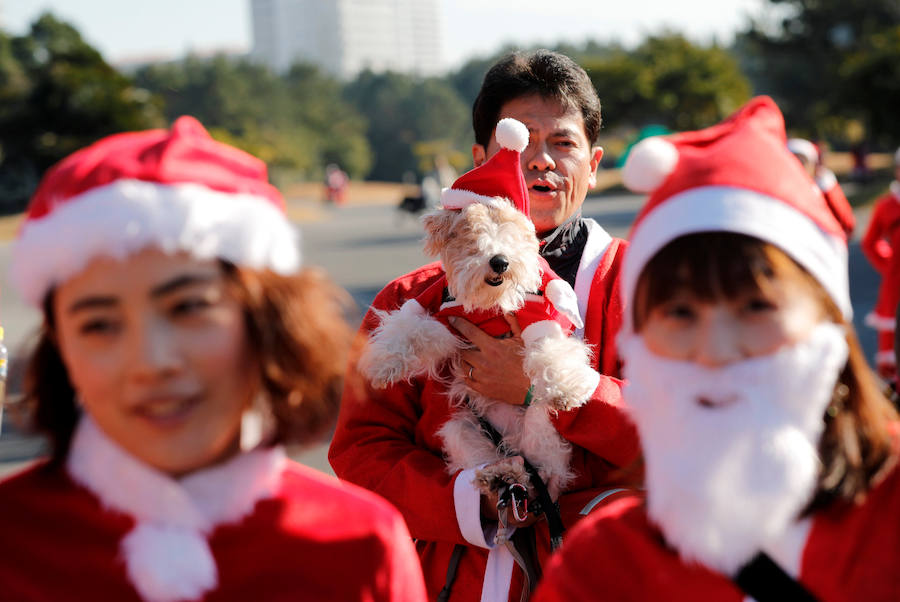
(811, 159)
(336, 181)
(183, 346)
(860, 154)
(771, 455)
(387, 440)
(881, 246)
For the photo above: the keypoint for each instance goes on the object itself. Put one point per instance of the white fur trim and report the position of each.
(457, 198)
(895, 189)
(539, 330)
(732, 209)
(787, 549)
(467, 503)
(497, 575)
(594, 249)
(825, 179)
(805, 148)
(879, 322)
(512, 134)
(886, 358)
(563, 298)
(649, 163)
(128, 215)
(167, 563)
(166, 553)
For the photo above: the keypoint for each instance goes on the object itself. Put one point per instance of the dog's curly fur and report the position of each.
(409, 343)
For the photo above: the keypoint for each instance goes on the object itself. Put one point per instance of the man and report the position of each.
(386, 440)
(808, 155)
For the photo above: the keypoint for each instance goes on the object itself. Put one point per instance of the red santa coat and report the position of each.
(878, 244)
(851, 553)
(386, 440)
(308, 537)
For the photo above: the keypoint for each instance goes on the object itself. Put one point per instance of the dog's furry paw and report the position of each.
(507, 471)
(560, 371)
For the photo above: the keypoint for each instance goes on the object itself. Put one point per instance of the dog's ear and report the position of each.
(437, 229)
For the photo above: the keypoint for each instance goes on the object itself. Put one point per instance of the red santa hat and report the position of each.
(736, 176)
(176, 189)
(499, 176)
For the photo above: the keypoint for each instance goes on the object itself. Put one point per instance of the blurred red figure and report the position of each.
(336, 181)
(809, 156)
(879, 243)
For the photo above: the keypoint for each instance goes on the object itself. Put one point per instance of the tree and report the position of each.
(57, 95)
(799, 55)
(668, 80)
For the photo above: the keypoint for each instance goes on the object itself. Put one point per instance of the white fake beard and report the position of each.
(724, 481)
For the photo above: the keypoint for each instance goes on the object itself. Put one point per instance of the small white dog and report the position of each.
(489, 253)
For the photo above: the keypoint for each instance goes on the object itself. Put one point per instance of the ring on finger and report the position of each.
(470, 371)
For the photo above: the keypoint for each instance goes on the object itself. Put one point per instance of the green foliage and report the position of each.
(402, 111)
(667, 80)
(822, 62)
(57, 94)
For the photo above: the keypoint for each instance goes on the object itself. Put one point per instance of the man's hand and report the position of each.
(493, 367)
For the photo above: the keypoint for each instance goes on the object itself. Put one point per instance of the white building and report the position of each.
(343, 37)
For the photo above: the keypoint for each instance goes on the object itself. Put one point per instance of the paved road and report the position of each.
(363, 247)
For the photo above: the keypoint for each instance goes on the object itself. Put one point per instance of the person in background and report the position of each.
(880, 244)
(336, 181)
(183, 346)
(387, 440)
(811, 159)
(771, 454)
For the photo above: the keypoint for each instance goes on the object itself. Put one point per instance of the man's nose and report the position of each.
(538, 157)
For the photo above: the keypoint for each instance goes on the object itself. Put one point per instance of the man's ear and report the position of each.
(596, 155)
(437, 227)
(479, 154)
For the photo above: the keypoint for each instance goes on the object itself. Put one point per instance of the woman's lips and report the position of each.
(167, 411)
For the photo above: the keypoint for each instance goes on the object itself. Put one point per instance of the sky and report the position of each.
(135, 30)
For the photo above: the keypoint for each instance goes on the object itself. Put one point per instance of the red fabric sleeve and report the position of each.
(601, 426)
(384, 440)
(876, 249)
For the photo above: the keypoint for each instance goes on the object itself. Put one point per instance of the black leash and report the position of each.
(765, 581)
(444, 594)
(543, 503)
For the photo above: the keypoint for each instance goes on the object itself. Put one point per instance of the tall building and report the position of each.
(343, 37)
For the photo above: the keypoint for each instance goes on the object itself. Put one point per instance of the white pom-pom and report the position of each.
(649, 163)
(512, 134)
(166, 564)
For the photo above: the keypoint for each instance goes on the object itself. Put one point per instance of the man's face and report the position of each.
(559, 164)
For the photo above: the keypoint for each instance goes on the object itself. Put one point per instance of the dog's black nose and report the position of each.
(499, 263)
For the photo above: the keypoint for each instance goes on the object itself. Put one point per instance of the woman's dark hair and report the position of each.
(550, 75)
(298, 336)
(857, 445)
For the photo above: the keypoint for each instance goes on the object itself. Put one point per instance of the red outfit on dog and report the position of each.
(880, 244)
(386, 440)
(537, 308)
(850, 553)
(286, 541)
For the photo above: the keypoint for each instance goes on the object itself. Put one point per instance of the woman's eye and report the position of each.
(190, 306)
(678, 311)
(98, 326)
(759, 304)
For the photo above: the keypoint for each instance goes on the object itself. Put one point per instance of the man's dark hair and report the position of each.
(548, 74)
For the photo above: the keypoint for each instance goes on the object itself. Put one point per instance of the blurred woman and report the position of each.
(182, 348)
(770, 452)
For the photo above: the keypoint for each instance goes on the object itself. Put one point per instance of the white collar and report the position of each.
(167, 555)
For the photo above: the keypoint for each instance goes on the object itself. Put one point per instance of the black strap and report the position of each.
(444, 594)
(545, 503)
(765, 581)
